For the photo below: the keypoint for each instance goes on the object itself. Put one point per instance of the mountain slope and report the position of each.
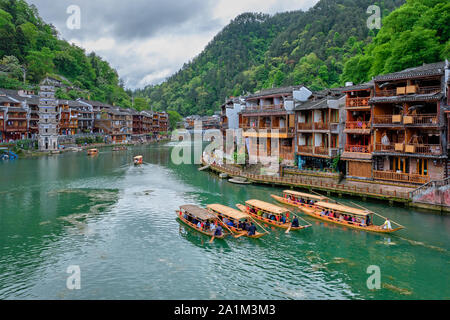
(258, 51)
(27, 41)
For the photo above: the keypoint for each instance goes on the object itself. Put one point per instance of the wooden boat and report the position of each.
(190, 215)
(221, 211)
(122, 148)
(92, 152)
(292, 198)
(252, 207)
(138, 160)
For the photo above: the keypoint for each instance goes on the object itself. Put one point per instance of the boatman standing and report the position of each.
(387, 225)
(252, 230)
(295, 223)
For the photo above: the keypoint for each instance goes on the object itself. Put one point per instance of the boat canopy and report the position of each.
(229, 212)
(138, 157)
(198, 212)
(266, 206)
(304, 195)
(343, 209)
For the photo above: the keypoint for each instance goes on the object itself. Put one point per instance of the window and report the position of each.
(399, 164)
(422, 167)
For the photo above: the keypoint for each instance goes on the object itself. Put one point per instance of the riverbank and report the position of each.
(364, 190)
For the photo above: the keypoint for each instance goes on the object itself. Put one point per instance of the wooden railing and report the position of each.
(357, 125)
(358, 148)
(384, 119)
(408, 90)
(421, 119)
(426, 149)
(305, 149)
(276, 107)
(305, 126)
(321, 125)
(357, 102)
(400, 177)
(321, 151)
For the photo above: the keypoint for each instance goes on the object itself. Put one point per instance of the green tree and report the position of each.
(39, 64)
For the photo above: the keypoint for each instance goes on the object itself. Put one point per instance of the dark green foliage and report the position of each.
(416, 33)
(35, 44)
(258, 51)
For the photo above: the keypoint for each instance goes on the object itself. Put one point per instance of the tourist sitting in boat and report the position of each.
(231, 224)
(295, 223)
(212, 227)
(199, 225)
(272, 217)
(387, 225)
(363, 222)
(252, 230)
(283, 219)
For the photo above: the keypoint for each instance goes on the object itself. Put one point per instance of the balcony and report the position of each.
(286, 153)
(304, 126)
(357, 148)
(321, 126)
(16, 129)
(388, 119)
(400, 177)
(321, 151)
(425, 120)
(268, 108)
(357, 102)
(408, 90)
(357, 125)
(305, 149)
(425, 149)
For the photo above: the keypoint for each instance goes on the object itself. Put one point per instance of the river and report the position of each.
(116, 222)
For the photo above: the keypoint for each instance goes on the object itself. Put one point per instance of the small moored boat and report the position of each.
(238, 218)
(239, 180)
(271, 214)
(318, 207)
(122, 148)
(191, 215)
(92, 152)
(138, 160)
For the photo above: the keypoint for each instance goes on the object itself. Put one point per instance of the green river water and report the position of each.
(117, 223)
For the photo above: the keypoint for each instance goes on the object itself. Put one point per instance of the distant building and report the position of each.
(48, 117)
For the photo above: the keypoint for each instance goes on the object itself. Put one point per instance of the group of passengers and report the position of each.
(243, 225)
(279, 219)
(301, 200)
(206, 226)
(346, 218)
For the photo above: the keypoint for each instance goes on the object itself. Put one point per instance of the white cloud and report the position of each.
(154, 38)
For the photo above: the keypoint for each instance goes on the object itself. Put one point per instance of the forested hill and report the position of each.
(26, 41)
(260, 51)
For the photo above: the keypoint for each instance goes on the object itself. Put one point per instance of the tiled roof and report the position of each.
(313, 104)
(274, 91)
(421, 71)
(362, 86)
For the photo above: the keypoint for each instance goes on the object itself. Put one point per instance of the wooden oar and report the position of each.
(221, 222)
(212, 239)
(307, 223)
(377, 214)
(289, 229)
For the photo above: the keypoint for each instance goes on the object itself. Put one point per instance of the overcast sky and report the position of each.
(148, 40)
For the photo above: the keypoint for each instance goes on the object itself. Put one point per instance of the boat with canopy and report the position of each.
(138, 160)
(92, 152)
(270, 214)
(192, 215)
(319, 207)
(238, 218)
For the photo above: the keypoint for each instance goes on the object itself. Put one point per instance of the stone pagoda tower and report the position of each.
(48, 117)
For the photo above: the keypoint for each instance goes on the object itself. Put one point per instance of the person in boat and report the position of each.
(272, 217)
(363, 223)
(218, 231)
(207, 225)
(259, 213)
(283, 219)
(368, 220)
(212, 227)
(252, 230)
(295, 223)
(231, 224)
(199, 225)
(225, 220)
(387, 225)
